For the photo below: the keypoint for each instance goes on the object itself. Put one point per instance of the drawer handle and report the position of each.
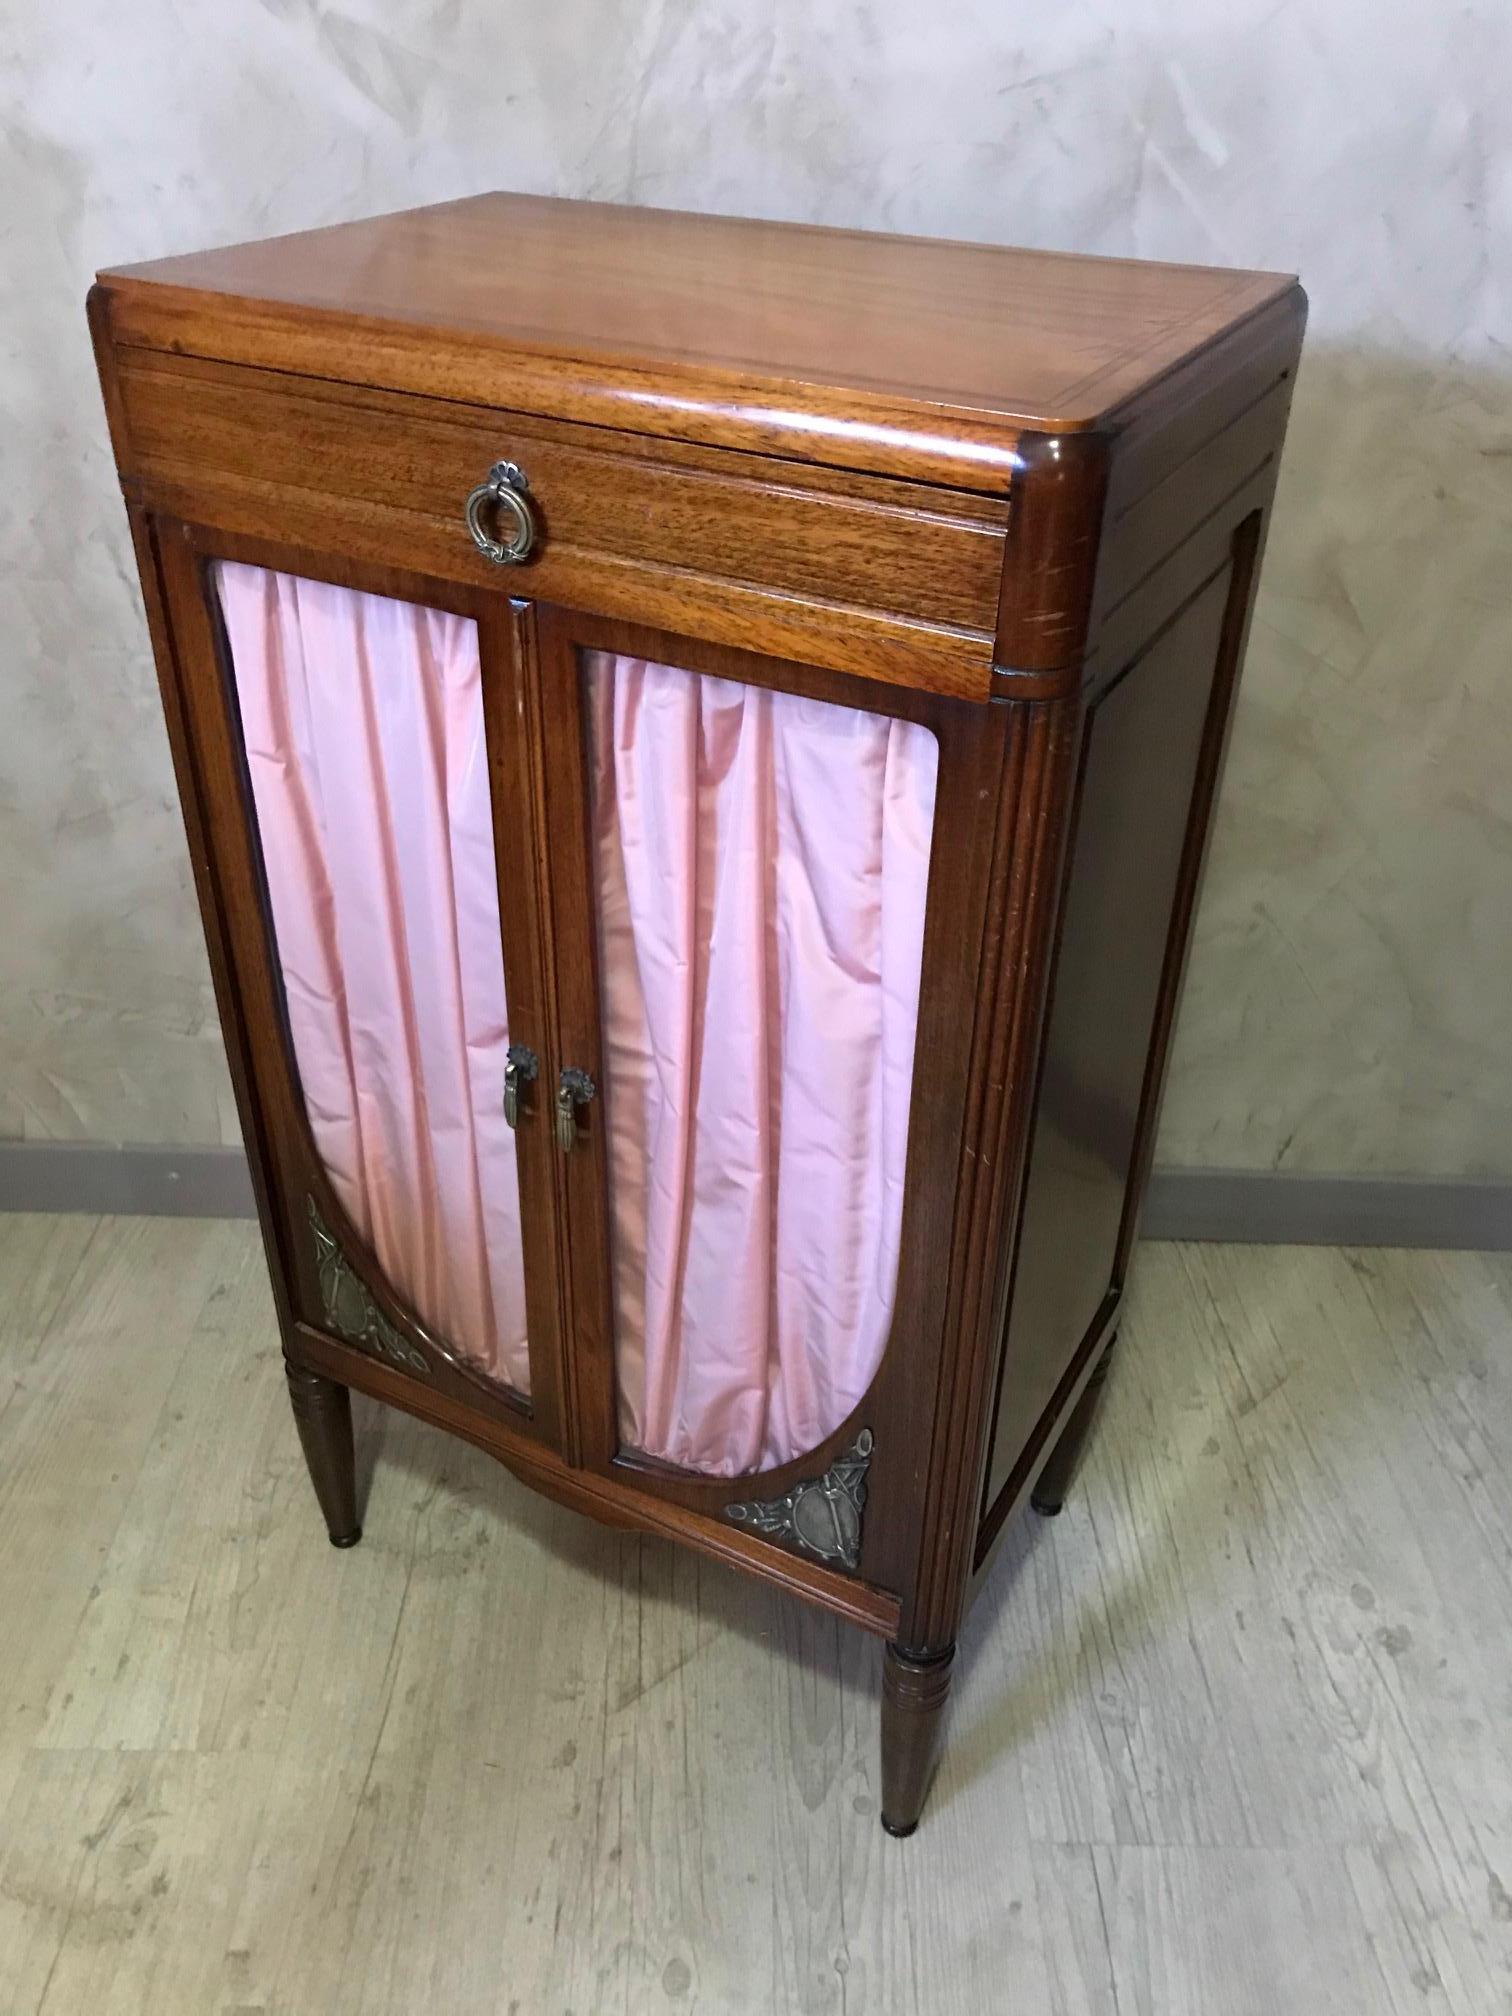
(574, 1088)
(506, 488)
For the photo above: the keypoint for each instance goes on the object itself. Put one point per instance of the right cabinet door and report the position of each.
(744, 864)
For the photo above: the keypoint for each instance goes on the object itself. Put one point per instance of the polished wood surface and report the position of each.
(885, 579)
(1022, 500)
(616, 1496)
(914, 1693)
(1136, 776)
(1059, 1473)
(845, 346)
(1228, 1737)
(917, 1364)
(216, 768)
(877, 544)
(322, 1411)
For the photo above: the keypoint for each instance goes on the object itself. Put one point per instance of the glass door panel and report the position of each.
(760, 862)
(363, 728)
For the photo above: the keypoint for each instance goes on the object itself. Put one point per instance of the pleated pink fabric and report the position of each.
(762, 862)
(363, 725)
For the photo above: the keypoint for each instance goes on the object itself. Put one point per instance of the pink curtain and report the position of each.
(363, 725)
(761, 863)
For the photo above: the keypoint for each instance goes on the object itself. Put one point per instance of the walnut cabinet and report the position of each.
(697, 739)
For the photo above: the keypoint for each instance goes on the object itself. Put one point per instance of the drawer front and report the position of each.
(895, 581)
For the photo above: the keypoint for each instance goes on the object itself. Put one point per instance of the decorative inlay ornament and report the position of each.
(822, 1515)
(349, 1309)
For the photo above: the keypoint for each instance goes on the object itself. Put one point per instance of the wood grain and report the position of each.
(1226, 1737)
(876, 352)
(905, 650)
(975, 747)
(1139, 770)
(995, 493)
(595, 492)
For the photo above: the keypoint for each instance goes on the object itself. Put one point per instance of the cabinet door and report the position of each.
(363, 767)
(762, 983)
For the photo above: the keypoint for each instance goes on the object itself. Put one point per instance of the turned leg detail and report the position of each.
(323, 1416)
(914, 1692)
(1053, 1482)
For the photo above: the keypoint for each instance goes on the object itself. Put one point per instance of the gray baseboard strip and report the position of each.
(1273, 1207)
(130, 1182)
(1250, 1207)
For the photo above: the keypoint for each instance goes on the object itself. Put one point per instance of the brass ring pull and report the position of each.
(506, 488)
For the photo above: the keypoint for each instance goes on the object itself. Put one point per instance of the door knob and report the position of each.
(574, 1088)
(521, 1067)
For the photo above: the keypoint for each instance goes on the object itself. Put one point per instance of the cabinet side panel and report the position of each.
(1139, 771)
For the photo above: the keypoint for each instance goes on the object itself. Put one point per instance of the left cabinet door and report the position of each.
(361, 761)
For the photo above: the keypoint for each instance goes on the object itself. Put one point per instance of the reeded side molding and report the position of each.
(822, 1515)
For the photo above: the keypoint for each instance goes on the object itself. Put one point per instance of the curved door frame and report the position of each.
(385, 1327)
(898, 1405)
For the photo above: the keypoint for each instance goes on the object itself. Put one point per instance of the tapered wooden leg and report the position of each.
(323, 1416)
(913, 1715)
(1053, 1482)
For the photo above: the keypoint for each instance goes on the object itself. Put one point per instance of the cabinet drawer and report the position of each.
(897, 581)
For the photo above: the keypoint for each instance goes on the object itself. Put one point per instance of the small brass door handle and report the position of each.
(574, 1089)
(521, 1067)
(506, 488)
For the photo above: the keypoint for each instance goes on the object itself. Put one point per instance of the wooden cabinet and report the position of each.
(697, 740)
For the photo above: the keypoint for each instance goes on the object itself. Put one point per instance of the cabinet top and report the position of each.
(908, 356)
